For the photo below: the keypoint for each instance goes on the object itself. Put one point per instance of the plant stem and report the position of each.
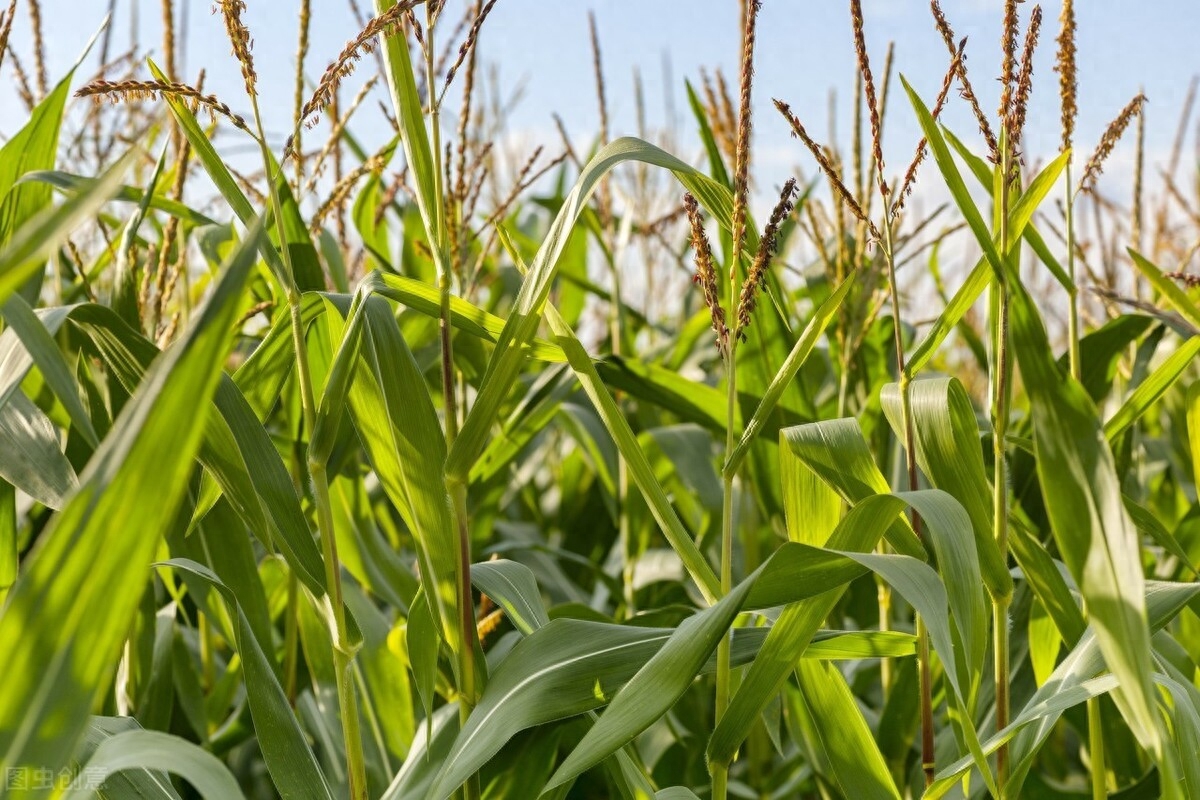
(468, 681)
(1073, 310)
(720, 772)
(1099, 777)
(291, 638)
(342, 654)
(1001, 370)
(925, 683)
(925, 677)
(1099, 769)
(720, 781)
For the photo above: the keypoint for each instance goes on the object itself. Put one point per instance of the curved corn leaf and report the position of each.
(526, 314)
(838, 454)
(1152, 388)
(551, 662)
(643, 476)
(236, 451)
(28, 247)
(656, 686)
(854, 759)
(399, 429)
(991, 265)
(1174, 295)
(152, 750)
(949, 452)
(817, 323)
(91, 564)
(73, 184)
(1082, 493)
(292, 765)
(33, 459)
(862, 528)
(513, 587)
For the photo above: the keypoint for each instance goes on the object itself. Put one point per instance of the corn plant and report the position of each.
(319, 479)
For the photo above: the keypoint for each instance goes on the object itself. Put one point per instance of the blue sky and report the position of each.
(805, 50)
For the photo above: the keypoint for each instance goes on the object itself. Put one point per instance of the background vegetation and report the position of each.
(309, 487)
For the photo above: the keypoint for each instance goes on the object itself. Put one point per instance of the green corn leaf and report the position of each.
(74, 184)
(845, 738)
(428, 753)
(656, 686)
(33, 459)
(949, 452)
(512, 586)
(33, 147)
(464, 316)
(838, 454)
(46, 355)
(1042, 574)
(643, 476)
(1152, 388)
(236, 451)
(265, 373)
(1175, 296)
(1149, 525)
(526, 314)
(91, 564)
(861, 529)
(954, 182)
(1193, 427)
(529, 417)
(160, 752)
(1072, 683)
(812, 508)
(9, 544)
(983, 173)
(28, 247)
(124, 298)
(716, 162)
(1019, 216)
(1094, 533)
(787, 373)
(292, 765)
(1049, 708)
(394, 415)
(571, 666)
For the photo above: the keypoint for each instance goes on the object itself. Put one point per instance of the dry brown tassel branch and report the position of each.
(864, 68)
(1008, 63)
(388, 24)
(6, 23)
(826, 165)
(168, 26)
(966, 90)
(1020, 103)
(469, 43)
(741, 173)
(767, 246)
(240, 41)
(1112, 135)
(604, 192)
(1068, 86)
(910, 176)
(470, 50)
(39, 47)
(706, 273)
(298, 90)
(117, 91)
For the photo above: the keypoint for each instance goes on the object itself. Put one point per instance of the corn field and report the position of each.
(433, 472)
